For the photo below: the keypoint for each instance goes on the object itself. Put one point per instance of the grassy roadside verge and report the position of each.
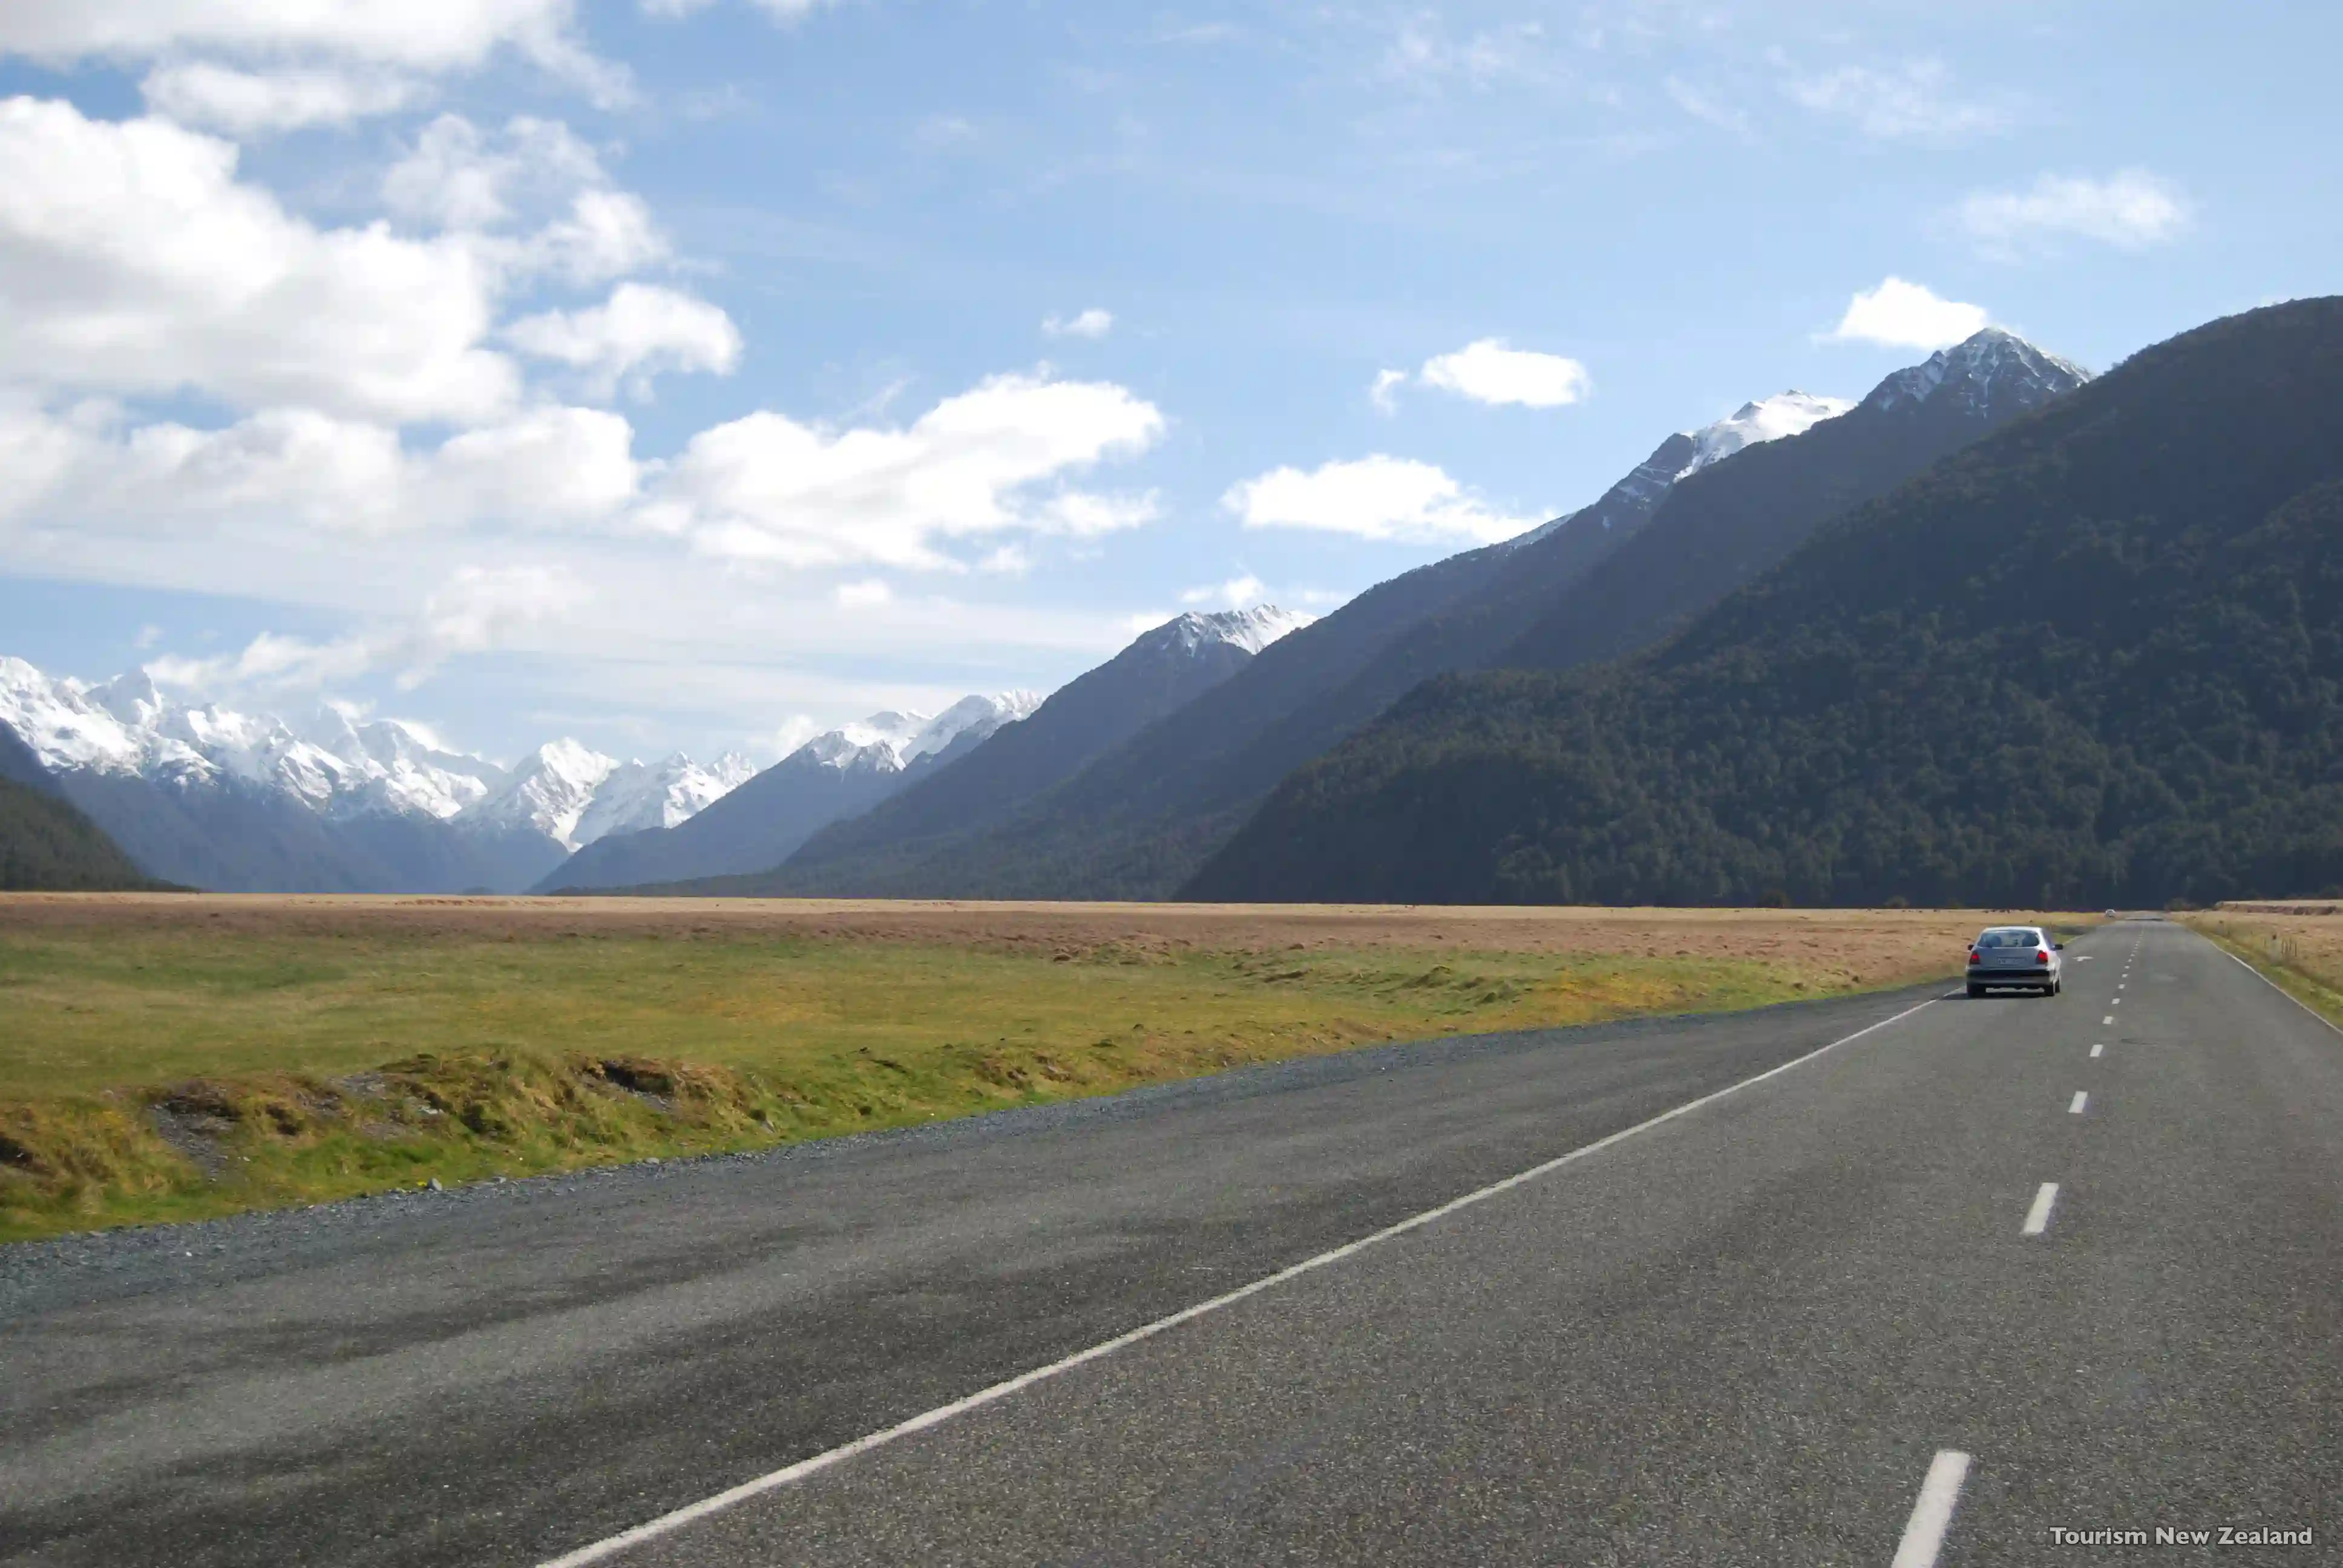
(180, 1071)
(2306, 965)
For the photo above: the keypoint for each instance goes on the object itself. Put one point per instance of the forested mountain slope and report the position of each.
(1713, 507)
(2095, 659)
(45, 844)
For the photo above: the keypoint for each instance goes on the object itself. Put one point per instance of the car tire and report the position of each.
(1976, 991)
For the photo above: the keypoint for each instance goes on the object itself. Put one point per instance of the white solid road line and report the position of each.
(666, 1523)
(2096, 1048)
(2038, 1216)
(1932, 1515)
(2284, 992)
(2075, 1106)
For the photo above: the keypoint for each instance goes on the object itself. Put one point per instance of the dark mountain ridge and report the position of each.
(1144, 816)
(47, 844)
(1160, 672)
(2095, 659)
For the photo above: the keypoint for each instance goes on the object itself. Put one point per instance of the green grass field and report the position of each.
(171, 1073)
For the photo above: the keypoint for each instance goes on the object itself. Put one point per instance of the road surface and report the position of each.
(1984, 1274)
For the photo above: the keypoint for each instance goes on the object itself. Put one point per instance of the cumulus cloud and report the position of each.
(247, 104)
(427, 35)
(133, 260)
(308, 472)
(1092, 324)
(1374, 497)
(996, 459)
(2131, 210)
(457, 175)
(531, 196)
(1384, 393)
(1488, 372)
(1913, 101)
(640, 330)
(1900, 314)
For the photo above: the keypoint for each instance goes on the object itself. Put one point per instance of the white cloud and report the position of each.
(549, 466)
(1488, 372)
(431, 35)
(1238, 593)
(1374, 497)
(2132, 210)
(864, 595)
(531, 172)
(995, 459)
(1092, 324)
(476, 609)
(1911, 102)
(1900, 314)
(1384, 393)
(132, 260)
(287, 474)
(246, 103)
(487, 185)
(639, 331)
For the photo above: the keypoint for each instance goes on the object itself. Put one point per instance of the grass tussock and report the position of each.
(170, 1072)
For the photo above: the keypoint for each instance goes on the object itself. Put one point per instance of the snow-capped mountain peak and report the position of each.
(1638, 496)
(1792, 413)
(1989, 371)
(550, 790)
(636, 796)
(1250, 629)
(892, 740)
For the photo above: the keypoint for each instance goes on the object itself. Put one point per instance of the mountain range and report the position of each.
(201, 795)
(2095, 659)
(1596, 709)
(761, 823)
(1706, 511)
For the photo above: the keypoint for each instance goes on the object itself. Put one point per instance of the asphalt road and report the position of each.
(1741, 1335)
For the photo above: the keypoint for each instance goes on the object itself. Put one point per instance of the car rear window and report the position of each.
(2012, 939)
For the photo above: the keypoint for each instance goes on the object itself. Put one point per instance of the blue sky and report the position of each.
(690, 376)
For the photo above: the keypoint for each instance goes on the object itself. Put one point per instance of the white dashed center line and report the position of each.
(2075, 1107)
(2096, 1048)
(2108, 1019)
(2038, 1216)
(1932, 1515)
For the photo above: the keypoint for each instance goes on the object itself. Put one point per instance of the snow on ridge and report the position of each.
(1251, 630)
(637, 796)
(1791, 413)
(891, 740)
(340, 767)
(550, 790)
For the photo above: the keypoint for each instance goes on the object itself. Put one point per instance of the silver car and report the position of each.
(2017, 957)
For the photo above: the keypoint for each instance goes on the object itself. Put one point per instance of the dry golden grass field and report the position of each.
(176, 1056)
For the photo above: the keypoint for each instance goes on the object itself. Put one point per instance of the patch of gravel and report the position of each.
(137, 1258)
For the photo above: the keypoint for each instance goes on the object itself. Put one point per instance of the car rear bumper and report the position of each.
(2031, 977)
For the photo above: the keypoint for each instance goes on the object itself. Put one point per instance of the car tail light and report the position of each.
(1975, 957)
(2042, 956)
